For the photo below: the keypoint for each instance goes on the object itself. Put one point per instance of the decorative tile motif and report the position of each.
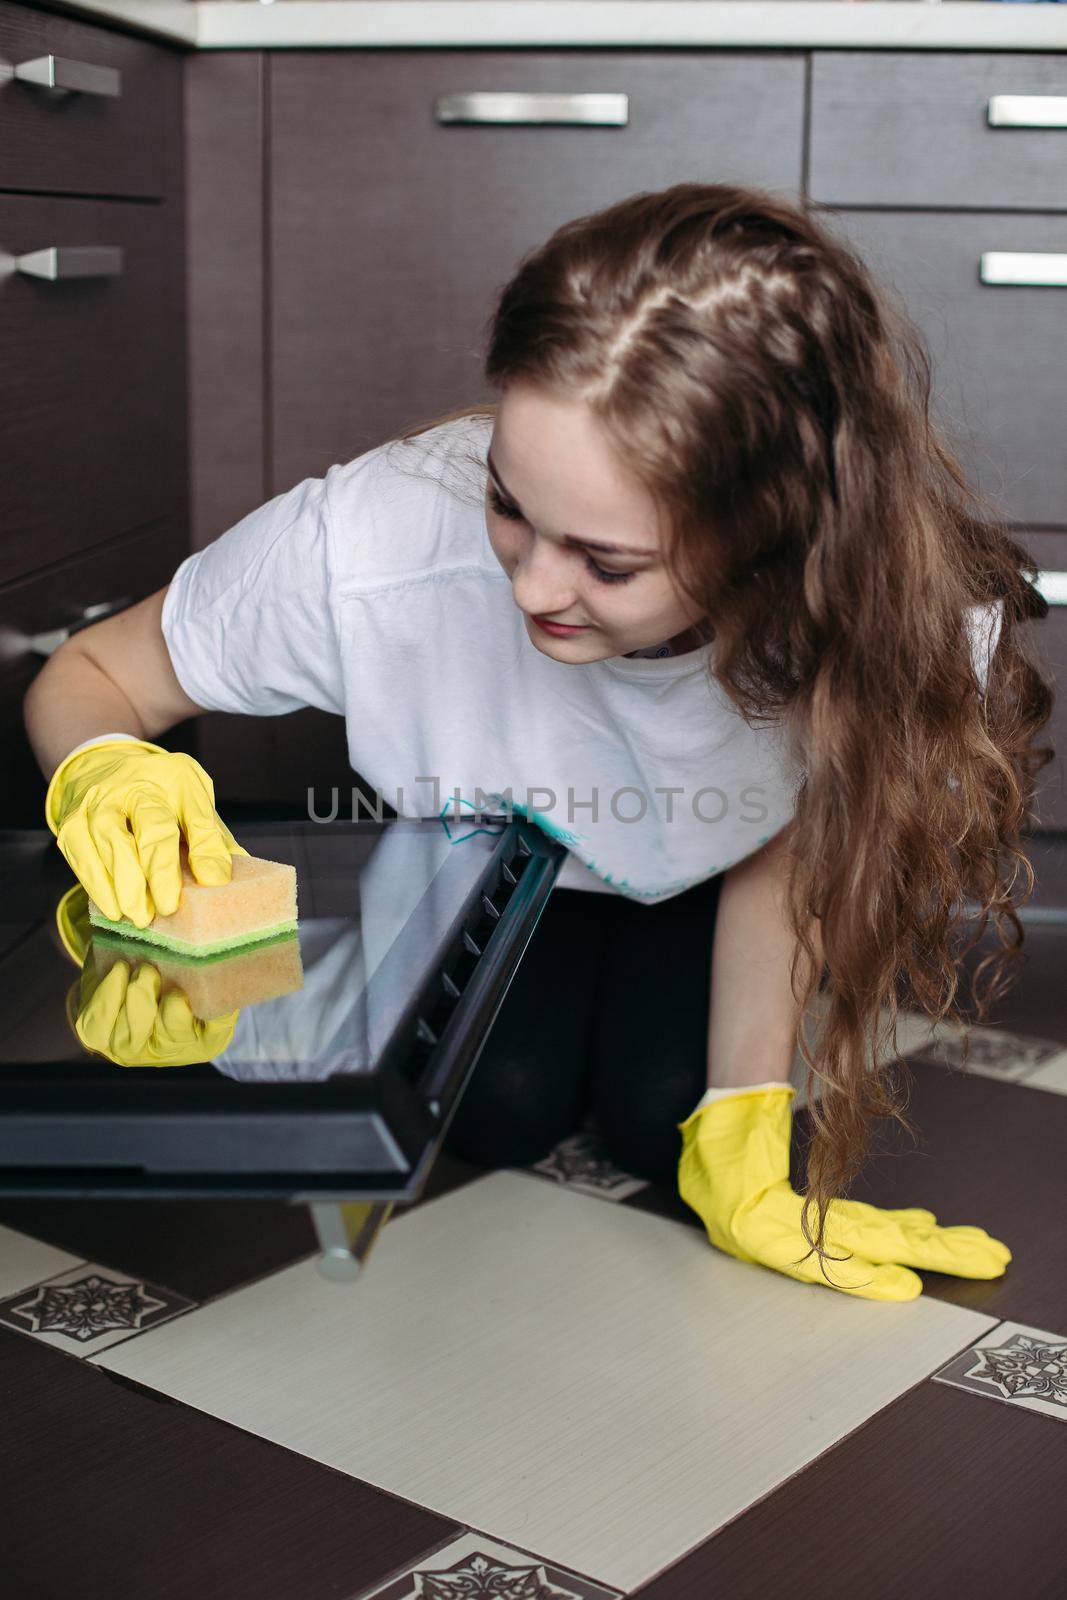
(89, 1309)
(1015, 1363)
(579, 1162)
(995, 1053)
(476, 1568)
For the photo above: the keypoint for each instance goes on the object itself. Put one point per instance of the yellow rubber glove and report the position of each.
(122, 1017)
(73, 924)
(734, 1173)
(118, 810)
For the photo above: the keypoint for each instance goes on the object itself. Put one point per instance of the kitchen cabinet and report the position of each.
(93, 438)
(92, 385)
(391, 230)
(116, 134)
(939, 128)
(999, 349)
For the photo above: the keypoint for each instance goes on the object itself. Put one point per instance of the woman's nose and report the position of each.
(541, 584)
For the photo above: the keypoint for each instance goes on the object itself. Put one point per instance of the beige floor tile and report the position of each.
(591, 1383)
(24, 1261)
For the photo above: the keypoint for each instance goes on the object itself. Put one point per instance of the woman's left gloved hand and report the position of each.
(734, 1173)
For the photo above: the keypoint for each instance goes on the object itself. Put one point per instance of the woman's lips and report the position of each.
(559, 629)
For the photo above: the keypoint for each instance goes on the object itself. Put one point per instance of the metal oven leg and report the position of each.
(347, 1231)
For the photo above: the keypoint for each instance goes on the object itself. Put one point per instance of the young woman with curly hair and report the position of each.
(776, 613)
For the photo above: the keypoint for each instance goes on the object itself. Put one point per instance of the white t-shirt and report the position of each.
(374, 593)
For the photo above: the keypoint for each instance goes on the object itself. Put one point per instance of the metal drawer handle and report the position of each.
(1036, 267)
(46, 644)
(72, 261)
(59, 72)
(604, 110)
(1053, 586)
(1027, 111)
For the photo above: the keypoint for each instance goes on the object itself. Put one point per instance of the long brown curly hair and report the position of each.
(774, 401)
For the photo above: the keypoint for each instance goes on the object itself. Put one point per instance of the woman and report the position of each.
(794, 642)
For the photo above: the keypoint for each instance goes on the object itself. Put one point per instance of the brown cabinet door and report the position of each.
(999, 349)
(391, 232)
(78, 141)
(912, 128)
(92, 380)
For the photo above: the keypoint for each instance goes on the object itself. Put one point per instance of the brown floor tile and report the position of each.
(993, 1155)
(109, 1489)
(940, 1494)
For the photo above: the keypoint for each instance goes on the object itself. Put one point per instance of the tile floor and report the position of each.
(532, 1394)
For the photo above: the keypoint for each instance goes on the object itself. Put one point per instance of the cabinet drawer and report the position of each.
(92, 380)
(371, 330)
(903, 128)
(1049, 550)
(999, 350)
(75, 141)
(127, 569)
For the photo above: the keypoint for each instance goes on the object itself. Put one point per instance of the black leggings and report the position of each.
(607, 1013)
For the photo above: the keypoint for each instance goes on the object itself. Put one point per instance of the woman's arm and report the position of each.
(113, 677)
(753, 1020)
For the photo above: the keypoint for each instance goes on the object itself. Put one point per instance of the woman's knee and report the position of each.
(514, 1111)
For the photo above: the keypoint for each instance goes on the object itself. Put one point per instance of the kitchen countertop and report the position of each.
(367, 24)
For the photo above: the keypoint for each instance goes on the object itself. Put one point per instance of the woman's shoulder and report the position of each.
(411, 505)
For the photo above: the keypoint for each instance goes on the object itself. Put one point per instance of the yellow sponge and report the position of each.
(213, 987)
(259, 902)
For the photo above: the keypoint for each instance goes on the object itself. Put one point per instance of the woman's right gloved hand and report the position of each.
(119, 810)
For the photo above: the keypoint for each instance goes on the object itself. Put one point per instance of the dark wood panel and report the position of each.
(109, 1487)
(132, 567)
(391, 233)
(88, 144)
(999, 351)
(225, 287)
(909, 128)
(92, 381)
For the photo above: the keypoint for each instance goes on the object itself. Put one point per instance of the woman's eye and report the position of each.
(504, 508)
(604, 575)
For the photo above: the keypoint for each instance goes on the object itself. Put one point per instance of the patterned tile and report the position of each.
(580, 1163)
(1020, 1365)
(474, 1566)
(89, 1309)
(995, 1053)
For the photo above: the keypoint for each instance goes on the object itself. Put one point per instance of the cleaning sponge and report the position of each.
(259, 902)
(213, 985)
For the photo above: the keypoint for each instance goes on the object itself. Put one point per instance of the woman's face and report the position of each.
(556, 497)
